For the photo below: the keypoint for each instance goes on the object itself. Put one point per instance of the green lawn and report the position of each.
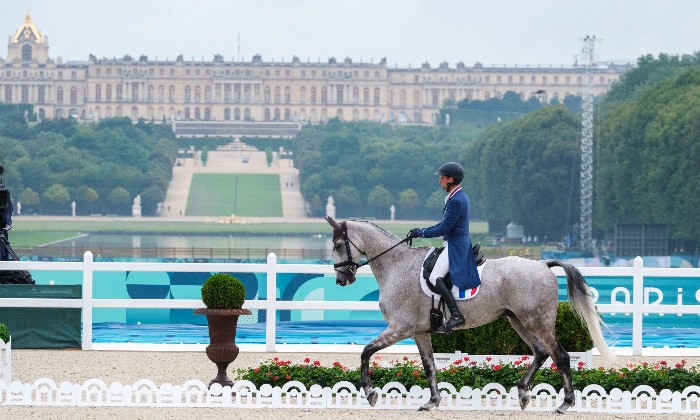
(240, 194)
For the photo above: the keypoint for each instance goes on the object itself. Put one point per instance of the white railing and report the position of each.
(637, 302)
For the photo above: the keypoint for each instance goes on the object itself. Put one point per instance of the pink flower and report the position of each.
(256, 370)
(307, 360)
(497, 367)
(662, 363)
(458, 361)
(317, 363)
(405, 358)
(466, 359)
(488, 359)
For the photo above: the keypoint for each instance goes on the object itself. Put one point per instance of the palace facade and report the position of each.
(257, 90)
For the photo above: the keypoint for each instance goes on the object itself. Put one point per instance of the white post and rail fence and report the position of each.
(637, 302)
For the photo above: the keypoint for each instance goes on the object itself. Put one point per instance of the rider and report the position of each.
(456, 258)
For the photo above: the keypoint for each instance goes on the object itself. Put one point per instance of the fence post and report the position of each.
(637, 308)
(87, 300)
(271, 304)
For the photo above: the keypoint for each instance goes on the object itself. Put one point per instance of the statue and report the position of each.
(72, 208)
(136, 207)
(392, 210)
(19, 208)
(330, 207)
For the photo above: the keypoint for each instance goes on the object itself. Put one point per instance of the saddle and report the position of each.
(430, 261)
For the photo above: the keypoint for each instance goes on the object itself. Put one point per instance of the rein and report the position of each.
(353, 265)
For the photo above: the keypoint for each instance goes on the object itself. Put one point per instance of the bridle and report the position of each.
(352, 265)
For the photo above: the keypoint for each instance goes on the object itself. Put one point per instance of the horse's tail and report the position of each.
(582, 305)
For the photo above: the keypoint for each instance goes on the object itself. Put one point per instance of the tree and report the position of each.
(204, 155)
(29, 199)
(379, 199)
(527, 171)
(436, 200)
(268, 155)
(119, 201)
(408, 200)
(57, 199)
(87, 197)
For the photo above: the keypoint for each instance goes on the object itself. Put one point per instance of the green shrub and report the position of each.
(4, 333)
(499, 337)
(223, 291)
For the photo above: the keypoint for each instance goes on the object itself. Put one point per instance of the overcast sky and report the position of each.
(406, 32)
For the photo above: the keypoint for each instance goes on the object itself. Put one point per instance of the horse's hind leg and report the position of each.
(388, 337)
(425, 348)
(540, 355)
(544, 342)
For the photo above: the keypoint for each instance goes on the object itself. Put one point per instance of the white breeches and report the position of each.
(442, 265)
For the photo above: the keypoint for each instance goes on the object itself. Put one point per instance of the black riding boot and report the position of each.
(456, 318)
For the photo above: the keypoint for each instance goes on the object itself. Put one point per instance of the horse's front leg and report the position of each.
(388, 337)
(425, 348)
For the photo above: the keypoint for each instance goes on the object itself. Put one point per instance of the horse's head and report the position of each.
(345, 253)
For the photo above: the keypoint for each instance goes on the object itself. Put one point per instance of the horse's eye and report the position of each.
(336, 247)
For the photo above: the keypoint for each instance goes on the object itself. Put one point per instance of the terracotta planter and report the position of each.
(222, 349)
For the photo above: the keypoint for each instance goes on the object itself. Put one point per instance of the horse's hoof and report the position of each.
(524, 401)
(372, 398)
(428, 407)
(562, 409)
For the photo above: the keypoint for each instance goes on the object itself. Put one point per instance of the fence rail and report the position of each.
(637, 303)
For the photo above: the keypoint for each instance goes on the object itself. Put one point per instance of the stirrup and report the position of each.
(445, 329)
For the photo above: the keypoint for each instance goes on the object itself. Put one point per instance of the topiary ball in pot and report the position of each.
(223, 291)
(4, 333)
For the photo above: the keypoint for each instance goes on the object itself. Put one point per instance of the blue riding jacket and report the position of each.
(454, 228)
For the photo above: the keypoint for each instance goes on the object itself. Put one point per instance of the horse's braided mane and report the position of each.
(381, 229)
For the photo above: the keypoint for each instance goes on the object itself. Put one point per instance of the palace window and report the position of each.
(98, 93)
(376, 96)
(339, 91)
(26, 53)
(73, 96)
(108, 93)
(59, 96)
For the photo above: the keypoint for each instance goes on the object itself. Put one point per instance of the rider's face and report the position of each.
(444, 180)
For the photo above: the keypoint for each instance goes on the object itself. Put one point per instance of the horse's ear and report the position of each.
(335, 225)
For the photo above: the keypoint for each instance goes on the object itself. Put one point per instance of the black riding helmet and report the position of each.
(452, 169)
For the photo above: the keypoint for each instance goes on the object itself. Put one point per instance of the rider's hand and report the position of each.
(415, 233)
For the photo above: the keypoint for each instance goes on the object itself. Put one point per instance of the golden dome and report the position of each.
(28, 31)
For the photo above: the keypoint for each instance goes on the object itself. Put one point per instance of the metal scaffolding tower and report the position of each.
(588, 62)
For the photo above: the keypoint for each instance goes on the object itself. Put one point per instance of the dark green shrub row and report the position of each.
(4, 333)
(500, 338)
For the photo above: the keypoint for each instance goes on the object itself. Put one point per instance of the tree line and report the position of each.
(527, 170)
(100, 166)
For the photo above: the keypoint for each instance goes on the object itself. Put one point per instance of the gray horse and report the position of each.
(524, 291)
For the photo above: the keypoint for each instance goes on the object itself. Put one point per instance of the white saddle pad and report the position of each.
(459, 294)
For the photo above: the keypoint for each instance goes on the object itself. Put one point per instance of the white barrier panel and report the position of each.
(633, 301)
(343, 395)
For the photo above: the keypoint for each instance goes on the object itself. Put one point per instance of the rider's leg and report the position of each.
(456, 318)
(440, 270)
